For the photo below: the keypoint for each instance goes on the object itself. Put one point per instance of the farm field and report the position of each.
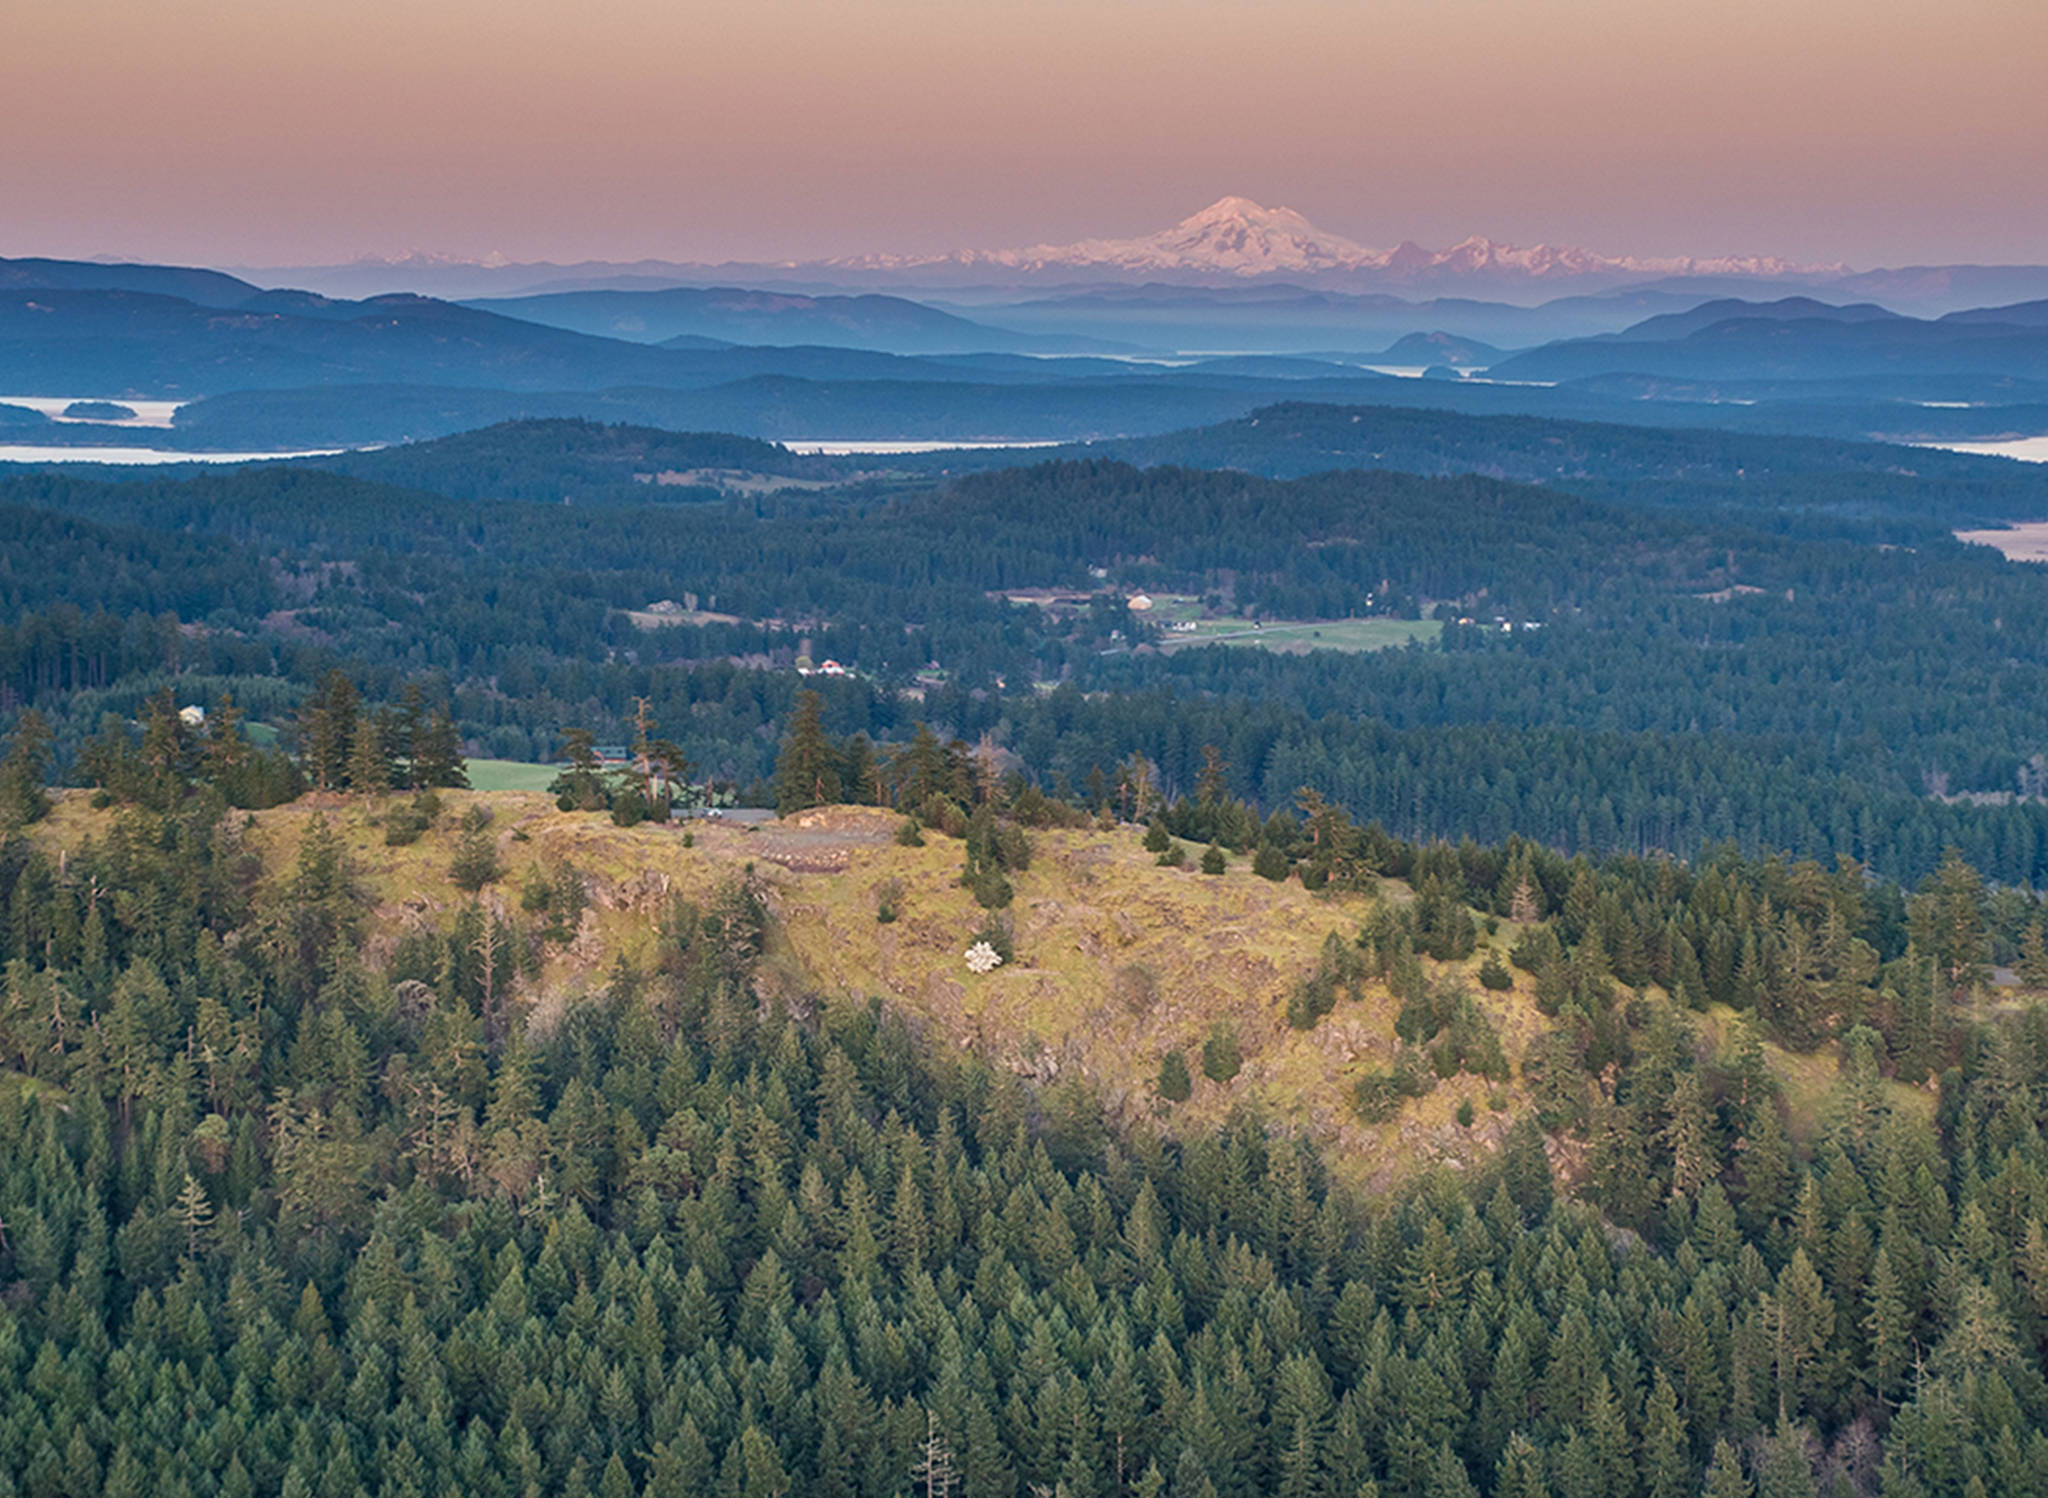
(1288, 636)
(510, 775)
(1297, 636)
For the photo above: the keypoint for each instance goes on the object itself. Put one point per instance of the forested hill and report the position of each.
(572, 460)
(1629, 464)
(324, 1176)
(1839, 480)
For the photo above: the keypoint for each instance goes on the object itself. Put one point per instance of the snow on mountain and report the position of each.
(1232, 242)
(1239, 238)
(1231, 235)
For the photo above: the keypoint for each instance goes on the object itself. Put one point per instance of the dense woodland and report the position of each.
(278, 1219)
(283, 1222)
(1695, 677)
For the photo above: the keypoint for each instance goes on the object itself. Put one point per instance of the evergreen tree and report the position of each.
(1949, 925)
(1725, 1477)
(2033, 957)
(1520, 1473)
(805, 771)
(437, 758)
(369, 763)
(24, 772)
(1666, 1470)
(580, 786)
(327, 726)
(1220, 1056)
(476, 853)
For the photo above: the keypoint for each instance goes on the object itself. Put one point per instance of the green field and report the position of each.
(510, 775)
(1294, 637)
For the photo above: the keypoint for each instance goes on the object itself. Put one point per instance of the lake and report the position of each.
(2026, 449)
(831, 447)
(147, 413)
(24, 452)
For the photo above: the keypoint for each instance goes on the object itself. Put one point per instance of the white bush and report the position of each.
(983, 958)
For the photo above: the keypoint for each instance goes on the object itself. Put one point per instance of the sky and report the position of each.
(282, 132)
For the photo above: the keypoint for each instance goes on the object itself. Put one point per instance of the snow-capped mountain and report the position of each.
(1233, 236)
(1239, 239)
(1234, 242)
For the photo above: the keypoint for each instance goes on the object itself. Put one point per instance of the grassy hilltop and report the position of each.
(1117, 961)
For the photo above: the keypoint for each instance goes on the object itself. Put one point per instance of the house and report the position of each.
(1137, 603)
(192, 717)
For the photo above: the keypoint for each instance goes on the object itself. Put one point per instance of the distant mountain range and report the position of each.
(1232, 242)
(287, 367)
(743, 315)
(119, 337)
(1802, 339)
(1237, 238)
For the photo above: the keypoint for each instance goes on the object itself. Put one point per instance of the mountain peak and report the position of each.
(1236, 210)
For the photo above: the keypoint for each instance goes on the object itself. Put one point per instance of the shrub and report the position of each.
(1340, 968)
(1465, 1114)
(1270, 863)
(991, 890)
(999, 934)
(1175, 1084)
(1494, 974)
(993, 848)
(629, 807)
(1157, 838)
(1221, 1059)
(1313, 997)
(1379, 1095)
(1536, 946)
(1136, 987)
(1172, 856)
(888, 901)
(405, 824)
(908, 835)
(1213, 861)
(1469, 1042)
(943, 814)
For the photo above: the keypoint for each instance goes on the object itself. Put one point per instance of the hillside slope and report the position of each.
(1117, 961)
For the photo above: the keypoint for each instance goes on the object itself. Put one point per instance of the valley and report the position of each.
(1229, 861)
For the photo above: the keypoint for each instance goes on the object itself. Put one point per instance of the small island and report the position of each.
(21, 416)
(99, 411)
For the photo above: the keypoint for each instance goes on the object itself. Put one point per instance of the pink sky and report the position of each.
(282, 131)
